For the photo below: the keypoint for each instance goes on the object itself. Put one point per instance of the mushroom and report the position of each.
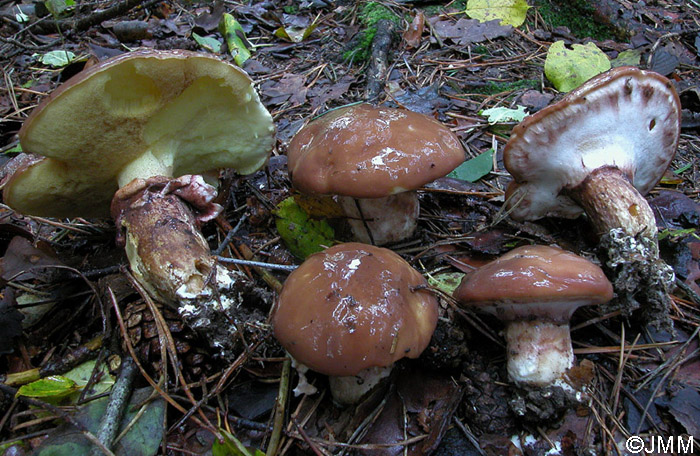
(599, 150)
(350, 312)
(373, 158)
(534, 290)
(140, 133)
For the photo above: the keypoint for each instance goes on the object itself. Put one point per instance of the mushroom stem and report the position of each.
(348, 390)
(381, 221)
(539, 351)
(166, 252)
(611, 201)
(146, 165)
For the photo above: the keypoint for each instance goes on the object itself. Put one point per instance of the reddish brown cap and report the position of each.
(138, 115)
(365, 151)
(536, 281)
(626, 118)
(352, 307)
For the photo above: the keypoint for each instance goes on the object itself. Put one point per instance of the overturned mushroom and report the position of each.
(138, 133)
(534, 290)
(599, 150)
(374, 158)
(350, 312)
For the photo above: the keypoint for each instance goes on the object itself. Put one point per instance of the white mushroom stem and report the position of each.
(349, 390)
(539, 351)
(611, 201)
(381, 221)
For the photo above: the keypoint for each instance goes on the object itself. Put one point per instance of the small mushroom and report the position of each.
(140, 133)
(534, 290)
(599, 150)
(373, 158)
(350, 312)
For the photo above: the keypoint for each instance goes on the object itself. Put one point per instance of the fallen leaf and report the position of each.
(56, 59)
(501, 114)
(508, 12)
(238, 45)
(302, 234)
(468, 31)
(475, 168)
(569, 68)
(208, 43)
(630, 57)
(414, 32)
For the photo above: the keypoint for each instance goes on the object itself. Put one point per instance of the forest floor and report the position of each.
(68, 278)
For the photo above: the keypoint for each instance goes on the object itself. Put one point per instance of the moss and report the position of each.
(370, 13)
(577, 15)
(493, 87)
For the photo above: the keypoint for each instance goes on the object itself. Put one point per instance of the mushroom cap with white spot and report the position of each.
(354, 306)
(364, 151)
(625, 118)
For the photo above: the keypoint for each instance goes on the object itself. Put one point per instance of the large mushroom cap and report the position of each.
(365, 151)
(535, 282)
(352, 307)
(626, 118)
(182, 111)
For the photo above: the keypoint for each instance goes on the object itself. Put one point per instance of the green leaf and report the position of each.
(20, 16)
(509, 12)
(58, 7)
(236, 41)
(446, 281)
(231, 446)
(501, 114)
(82, 373)
(569, 68)
(14, 150)
(142, 438)
(302, 234)
(54, 386)
(475, 168)
(208, 43)
(56, 59)
(630, 57)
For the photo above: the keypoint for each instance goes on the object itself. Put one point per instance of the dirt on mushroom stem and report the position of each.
(171, 259)
(627, 229)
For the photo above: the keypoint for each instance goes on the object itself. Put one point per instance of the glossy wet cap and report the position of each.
(366, 151)
(625, 118)
(353, 306)
(192, 112)
(533, 282)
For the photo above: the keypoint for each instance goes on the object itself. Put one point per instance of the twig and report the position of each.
(378, 66)
(259, 264)
(118, 400)
(280, 409)
(84, 23)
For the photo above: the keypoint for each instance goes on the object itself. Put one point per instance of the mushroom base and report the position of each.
(539, 352)
(635, 265)
(381, 221)
(170, 257)
(350, 389)
(611, 201)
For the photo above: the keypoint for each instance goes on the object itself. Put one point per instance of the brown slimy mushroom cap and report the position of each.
(535, 282)
(365, 151)
(626, 118)
(352, 307)
(138, 115)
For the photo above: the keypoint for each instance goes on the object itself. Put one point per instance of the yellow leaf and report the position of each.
(509, 12)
